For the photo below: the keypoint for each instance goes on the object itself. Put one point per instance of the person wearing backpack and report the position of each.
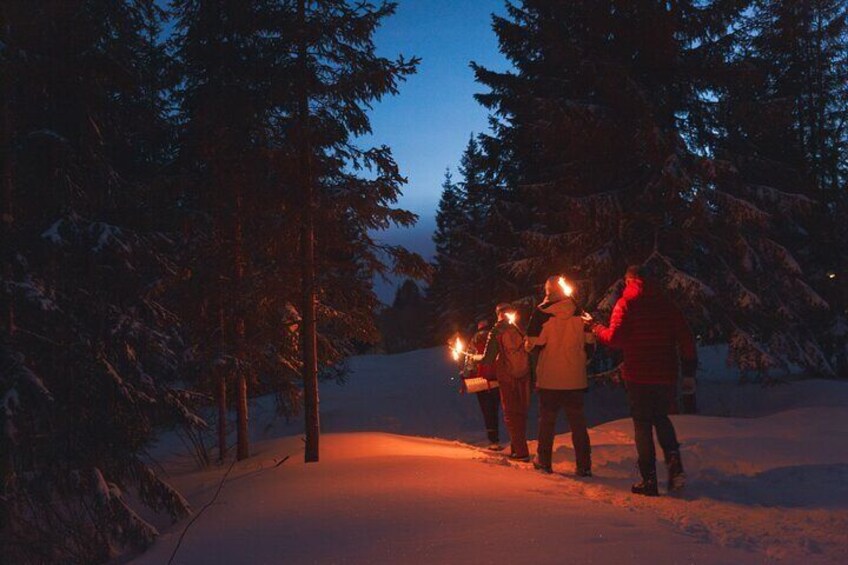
(561, 379)
(489, 399)
(505, 350)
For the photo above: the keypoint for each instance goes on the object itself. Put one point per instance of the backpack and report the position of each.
(512, 363)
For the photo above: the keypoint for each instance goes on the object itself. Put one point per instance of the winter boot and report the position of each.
(544, 460)
(676, 476)
(583, 472)
(648, 486)
(539, 466)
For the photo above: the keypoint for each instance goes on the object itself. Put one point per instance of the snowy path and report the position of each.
(773, 488)
(390, 499)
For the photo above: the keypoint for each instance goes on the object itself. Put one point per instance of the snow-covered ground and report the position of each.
(398, 482)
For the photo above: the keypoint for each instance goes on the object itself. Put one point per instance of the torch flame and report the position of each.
(511, 317)
(566, 288)
(457, 348)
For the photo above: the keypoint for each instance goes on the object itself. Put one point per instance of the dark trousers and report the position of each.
(571, 401)
(649, 405)
(489, 401)
(515, 399)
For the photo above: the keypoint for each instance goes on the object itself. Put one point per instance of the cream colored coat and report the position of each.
(562, 361)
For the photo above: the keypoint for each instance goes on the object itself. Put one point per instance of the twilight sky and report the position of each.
(428, 124)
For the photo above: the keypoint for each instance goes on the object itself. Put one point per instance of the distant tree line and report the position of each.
(705, 140)
(183, 200)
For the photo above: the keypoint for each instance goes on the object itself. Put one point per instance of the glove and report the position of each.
(688, 385)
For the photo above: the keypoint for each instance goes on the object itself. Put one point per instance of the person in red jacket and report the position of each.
(656, 343)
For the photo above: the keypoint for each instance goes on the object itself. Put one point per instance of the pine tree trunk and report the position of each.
(242, 442)
(243, 448)
(307, 243)
(222, 417)
(7, 308)
(222, 398)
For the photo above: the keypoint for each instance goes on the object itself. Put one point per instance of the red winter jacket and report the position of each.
(652, 334)
(484, 370)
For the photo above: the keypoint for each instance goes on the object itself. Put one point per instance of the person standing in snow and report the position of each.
(656, 343)
(489, 400)
(561, 379)
(505, 350)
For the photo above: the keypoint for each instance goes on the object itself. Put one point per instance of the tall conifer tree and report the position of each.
(780, 133)
(226, 53)
(598, 142)
(470, 225)
(87, 348)
(449, 268)
(333, 78)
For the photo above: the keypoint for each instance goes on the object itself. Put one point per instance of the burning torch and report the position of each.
(566, 288)
(458, 349)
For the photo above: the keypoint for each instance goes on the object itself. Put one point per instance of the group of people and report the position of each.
(657, 347)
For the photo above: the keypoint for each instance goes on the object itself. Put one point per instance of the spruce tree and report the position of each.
(224, 58)
(88, 351)
(601, 145)
(449, 265)
(468, 280)
(344, 192)
(781, 137)
(279, 214)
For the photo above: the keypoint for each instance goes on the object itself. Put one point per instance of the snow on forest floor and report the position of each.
(772, 487)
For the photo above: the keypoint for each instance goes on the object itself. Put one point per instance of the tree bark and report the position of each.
(307, 244)
(7, 308)
(242, 442)
(222, 398)
(243, 446)
(222, 417)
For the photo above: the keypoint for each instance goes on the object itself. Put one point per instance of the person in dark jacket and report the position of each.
(656, 343)
(489, 400)
(505, 350)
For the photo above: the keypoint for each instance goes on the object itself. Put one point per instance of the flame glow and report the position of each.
(565, 287)
(457, 348)
(511, 317)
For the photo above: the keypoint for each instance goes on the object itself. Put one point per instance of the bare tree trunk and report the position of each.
(243, 446)
(7, 307)
(222, 398)
(222, 417)
(243, 443)
(307, 244)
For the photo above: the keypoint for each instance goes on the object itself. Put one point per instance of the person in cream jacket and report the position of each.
(561, 378)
